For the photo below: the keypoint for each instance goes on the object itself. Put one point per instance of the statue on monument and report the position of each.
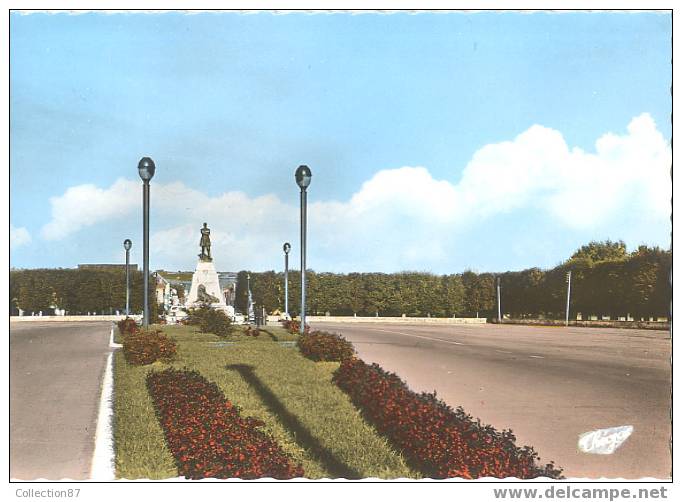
(205, 290)
(204, 297)
(205, 244)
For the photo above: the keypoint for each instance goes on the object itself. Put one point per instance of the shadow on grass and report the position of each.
(271, 335)
(335, 467)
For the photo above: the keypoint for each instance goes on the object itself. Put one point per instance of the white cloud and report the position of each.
(18, 236)
(580, 189)
(85, 205)
(404, 217)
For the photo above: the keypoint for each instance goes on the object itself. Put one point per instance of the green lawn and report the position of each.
(267, 377)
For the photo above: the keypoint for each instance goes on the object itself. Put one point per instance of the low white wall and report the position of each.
(400, 320)
(70, 318)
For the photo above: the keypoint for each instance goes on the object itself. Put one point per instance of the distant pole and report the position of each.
(127, 244)
(287, 248)
(303, 176)
(248, 297)
(568, 294)
(146, 170)
(499, 308)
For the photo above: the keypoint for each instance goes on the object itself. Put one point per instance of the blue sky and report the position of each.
(437, 141)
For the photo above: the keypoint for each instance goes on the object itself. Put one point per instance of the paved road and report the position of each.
(56, 371)
(547, 384)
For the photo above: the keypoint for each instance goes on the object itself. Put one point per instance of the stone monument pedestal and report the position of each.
(205, 284)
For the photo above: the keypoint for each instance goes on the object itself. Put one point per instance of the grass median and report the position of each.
(309, 416)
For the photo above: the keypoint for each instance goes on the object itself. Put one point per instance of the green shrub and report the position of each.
(211, 321)
(196, 315)
(146, 347)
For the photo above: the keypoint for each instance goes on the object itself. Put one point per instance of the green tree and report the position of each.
(453, 295)
(241, 300)
(354, 295)
(597, 251)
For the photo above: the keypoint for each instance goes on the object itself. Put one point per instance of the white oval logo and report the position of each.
(604, 441)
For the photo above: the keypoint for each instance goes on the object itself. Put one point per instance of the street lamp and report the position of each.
(127, 244)
(303, 176)
(568, 294)
(146, 170)
(499, 308)
(286, 248)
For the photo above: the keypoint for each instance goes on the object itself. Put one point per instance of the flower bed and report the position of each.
(145, 347)
(251, 331)
(293, 326)
(206, 434)
(127, 326)
(439, 441)
(322, 346)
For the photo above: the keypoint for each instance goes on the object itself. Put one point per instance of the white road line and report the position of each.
(537, 357)
(417, 336)
(504, 351)
(102, 465)
(111, 340)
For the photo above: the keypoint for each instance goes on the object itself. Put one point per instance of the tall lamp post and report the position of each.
(499, 308)
(568, 294)
(146, 170)
(127, 244)
(303, 176)
(286, 248)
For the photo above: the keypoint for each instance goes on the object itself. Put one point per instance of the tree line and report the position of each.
(605, 280)
(78, 291)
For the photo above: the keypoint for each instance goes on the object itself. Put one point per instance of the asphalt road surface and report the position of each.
(56, 370)
(547, 384)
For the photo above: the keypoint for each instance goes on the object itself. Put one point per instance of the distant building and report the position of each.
(228, 285)
(107, 266)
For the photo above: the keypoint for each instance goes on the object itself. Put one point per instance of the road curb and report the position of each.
(102, 465)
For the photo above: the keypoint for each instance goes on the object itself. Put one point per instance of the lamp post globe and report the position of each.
(303, 177)
(127, 244)
(146, 169)
(286, 248)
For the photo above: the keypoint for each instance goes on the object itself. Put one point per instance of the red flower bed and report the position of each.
(207, 435)
(250, 331)
(127, 326)
(145, 347)
(439, 441)
(322, 346)
(293, 326)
